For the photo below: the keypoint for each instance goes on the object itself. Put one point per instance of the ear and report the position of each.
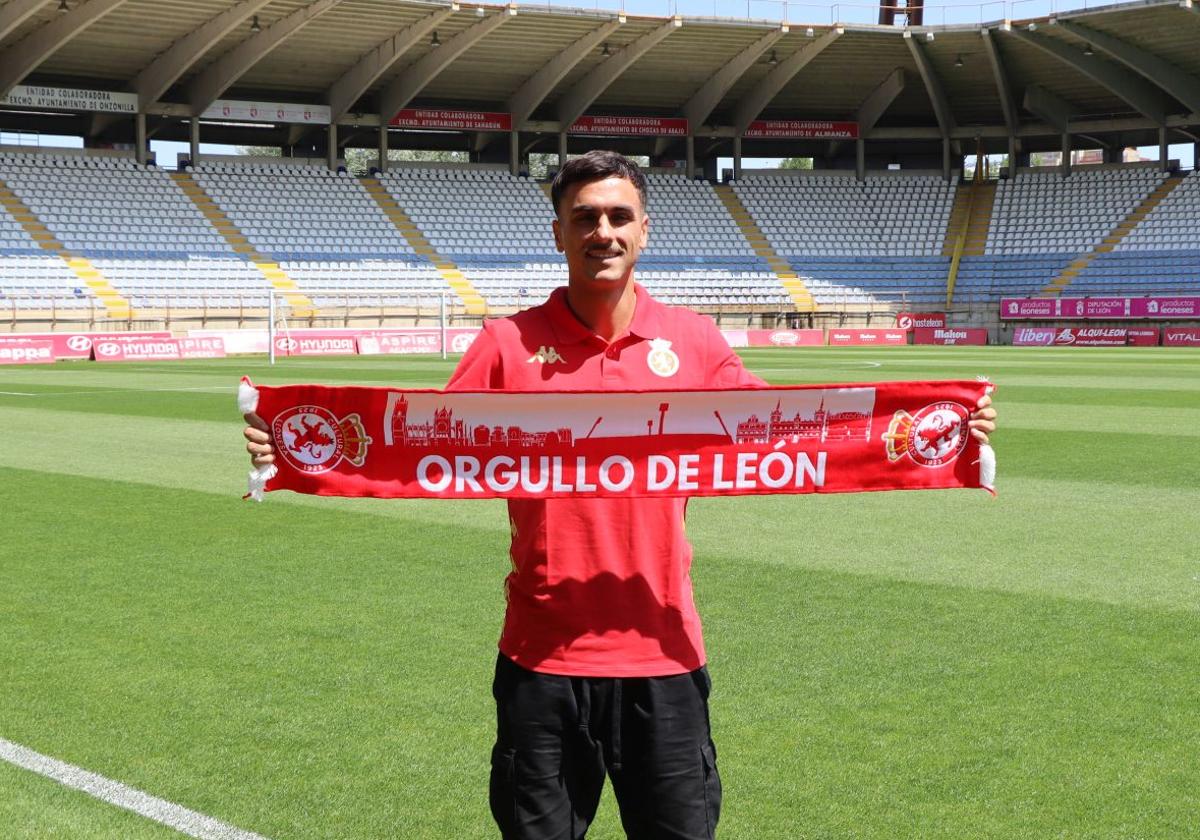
(645, 235)
(558, 236)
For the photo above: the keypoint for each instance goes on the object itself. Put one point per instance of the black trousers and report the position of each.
(557, 737)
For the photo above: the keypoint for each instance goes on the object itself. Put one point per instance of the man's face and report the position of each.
(601, 228)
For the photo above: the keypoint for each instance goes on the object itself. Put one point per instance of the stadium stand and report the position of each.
(494, 226)
(1043, 222)
(132, 222)
(1045, 213)
(323, 228)
(1160, 255)
(879, 240)
(696, 255)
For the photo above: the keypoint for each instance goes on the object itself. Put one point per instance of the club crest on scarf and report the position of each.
(313, 440)
(932, 437)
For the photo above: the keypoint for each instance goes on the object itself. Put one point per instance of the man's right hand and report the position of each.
(258, 441)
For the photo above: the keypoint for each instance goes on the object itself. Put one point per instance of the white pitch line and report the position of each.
(181, 819)
(212, 389)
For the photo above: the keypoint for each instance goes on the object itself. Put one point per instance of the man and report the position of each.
(601, 668)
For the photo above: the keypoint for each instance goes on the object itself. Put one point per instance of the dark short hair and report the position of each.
(597, 164)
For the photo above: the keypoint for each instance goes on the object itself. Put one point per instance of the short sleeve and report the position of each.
(725, 368)
(481, 367)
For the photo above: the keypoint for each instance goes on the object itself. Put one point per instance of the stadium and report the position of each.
(343, 191)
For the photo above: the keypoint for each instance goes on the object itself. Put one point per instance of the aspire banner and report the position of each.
(381, 442)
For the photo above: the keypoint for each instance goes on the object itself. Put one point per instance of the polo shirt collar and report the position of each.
(568, 329)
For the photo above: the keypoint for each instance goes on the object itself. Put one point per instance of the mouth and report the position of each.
(607, 254)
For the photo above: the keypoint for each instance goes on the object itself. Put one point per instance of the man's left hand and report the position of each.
(983, 419)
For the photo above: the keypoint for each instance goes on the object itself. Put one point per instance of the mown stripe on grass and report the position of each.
(296, 672)
(1063, 416)
(1113, 396)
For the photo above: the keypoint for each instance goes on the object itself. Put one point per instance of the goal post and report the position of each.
(283, 310)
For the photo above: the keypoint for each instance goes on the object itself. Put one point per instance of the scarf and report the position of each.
(390, 443)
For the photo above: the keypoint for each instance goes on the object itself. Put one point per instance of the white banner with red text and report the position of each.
(381, 442)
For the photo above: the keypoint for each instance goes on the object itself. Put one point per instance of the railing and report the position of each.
(208, 306)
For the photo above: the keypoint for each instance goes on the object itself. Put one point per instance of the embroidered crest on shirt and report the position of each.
(546, 356)
(662, 360)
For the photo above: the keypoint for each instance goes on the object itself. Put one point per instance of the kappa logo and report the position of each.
(661, 359)
(79, 343)
(932, 437)
(546, 356)
(313, 440)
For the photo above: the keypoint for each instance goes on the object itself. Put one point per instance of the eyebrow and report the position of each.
(586, 208)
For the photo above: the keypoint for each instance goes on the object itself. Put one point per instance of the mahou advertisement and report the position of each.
(353, 441)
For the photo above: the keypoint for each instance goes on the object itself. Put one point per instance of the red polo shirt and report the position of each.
(601, 587)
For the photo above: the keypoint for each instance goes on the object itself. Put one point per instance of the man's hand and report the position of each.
(258, 440)
(982, 422)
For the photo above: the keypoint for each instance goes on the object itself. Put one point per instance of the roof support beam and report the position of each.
(933, 86)
(215, 79)
(165, 70)
(1007, 104)
(760, 97)
(23, 57)
(16, 12)
(530, 95)
(701, 105)
(157, 77)
(401, 90)
(1055, 111)
(873, 107)
(343, 93)
(1140, 94)
(1179, 83)
(586, 91)
(878, 101)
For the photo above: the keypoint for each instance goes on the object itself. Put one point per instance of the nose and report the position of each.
(604, 229)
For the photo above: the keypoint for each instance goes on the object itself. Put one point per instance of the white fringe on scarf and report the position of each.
(256, 482)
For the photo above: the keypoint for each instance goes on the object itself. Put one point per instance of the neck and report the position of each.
(608, 313)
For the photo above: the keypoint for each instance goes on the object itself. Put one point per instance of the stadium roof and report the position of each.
(1116, 74)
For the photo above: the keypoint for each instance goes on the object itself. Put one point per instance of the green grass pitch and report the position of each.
(924, 665)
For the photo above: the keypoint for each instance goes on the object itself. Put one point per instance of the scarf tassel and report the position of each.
(256, 481)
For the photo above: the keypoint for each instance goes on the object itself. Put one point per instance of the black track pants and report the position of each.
(557, 738)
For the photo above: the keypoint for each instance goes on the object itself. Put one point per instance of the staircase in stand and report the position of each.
(115, 306)
(801, 297)
(1076, 267)
(967, 228)
(279, 279)
(472, 301)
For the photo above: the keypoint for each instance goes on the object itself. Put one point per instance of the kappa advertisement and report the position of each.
(430, 444)
(26, 353)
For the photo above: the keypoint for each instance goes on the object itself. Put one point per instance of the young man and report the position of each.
(601, 670)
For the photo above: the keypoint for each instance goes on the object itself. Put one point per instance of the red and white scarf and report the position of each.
(389, 443)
